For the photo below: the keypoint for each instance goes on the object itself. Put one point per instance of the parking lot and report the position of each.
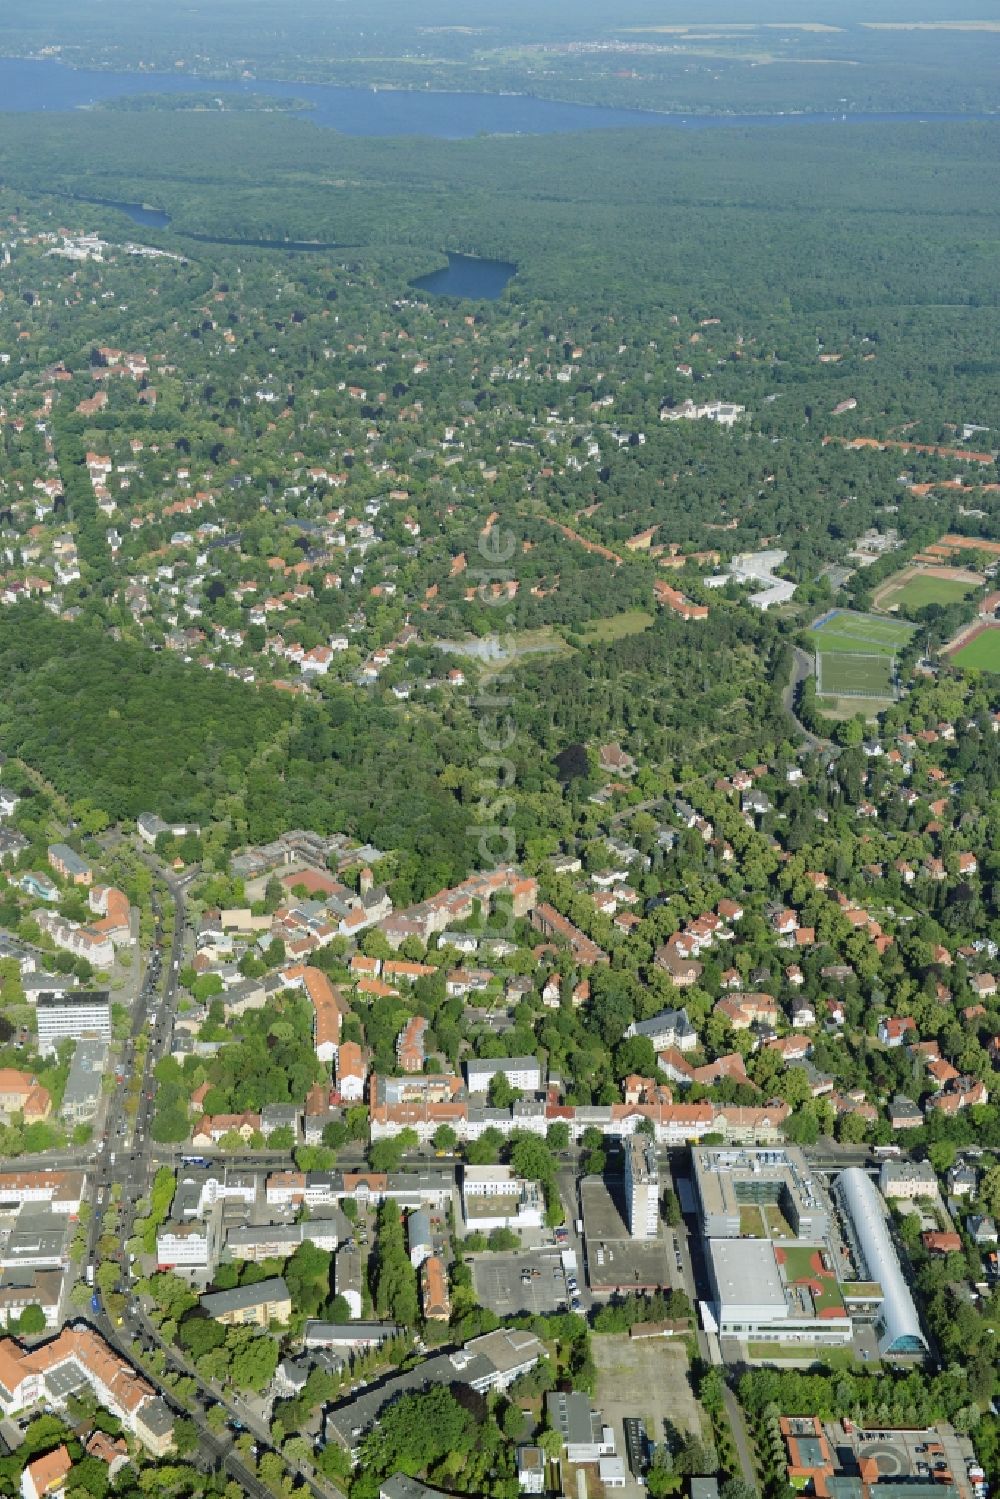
(911, 1454)
(500, 1285)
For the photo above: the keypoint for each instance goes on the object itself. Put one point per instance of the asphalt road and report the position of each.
(127, 1156)
(802, 667)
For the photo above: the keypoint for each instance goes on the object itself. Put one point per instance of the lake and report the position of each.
(139, 213)
(29, 84)
(468, 276)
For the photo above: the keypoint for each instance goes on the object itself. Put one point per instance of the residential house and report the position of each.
(259, 1305)
(434, 1297)
(585, 1437)
(69, 865)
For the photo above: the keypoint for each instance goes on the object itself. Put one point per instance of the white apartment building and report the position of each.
(523, 1073)
(69, 1016)
(61, 1191)
(642, 1188)
(186, 1246)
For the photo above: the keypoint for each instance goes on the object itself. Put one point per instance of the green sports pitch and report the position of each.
(981, 653)
(856, 653)
(843, 630)
(841, 674)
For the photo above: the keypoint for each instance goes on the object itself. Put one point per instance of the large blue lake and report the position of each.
(45, 84)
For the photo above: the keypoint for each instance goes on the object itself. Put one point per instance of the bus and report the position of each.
(886, 1152)
(194, 1160)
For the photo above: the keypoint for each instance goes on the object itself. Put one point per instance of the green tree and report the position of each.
(253, 1357)
(32, 1320)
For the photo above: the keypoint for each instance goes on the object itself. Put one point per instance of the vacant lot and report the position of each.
(843, 675)
(646, 1378)
(916, 587)
(981, 652)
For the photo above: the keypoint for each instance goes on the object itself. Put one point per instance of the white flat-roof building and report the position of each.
(754, 1301)
(524, 1073)
(493, 1197)
(83, 1085)
(730, 1178)
(186, 1246)
(78, 1013)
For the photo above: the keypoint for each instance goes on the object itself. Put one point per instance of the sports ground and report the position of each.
(846, 631)
(803, 1266)
(980, 650)
(855, 654)
(915, 587)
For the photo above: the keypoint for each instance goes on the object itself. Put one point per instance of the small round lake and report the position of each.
(468, 276)
(142, 213)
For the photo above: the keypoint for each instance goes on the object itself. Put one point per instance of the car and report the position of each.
(922, 1470)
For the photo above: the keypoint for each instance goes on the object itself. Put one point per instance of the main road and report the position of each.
(126, 1158)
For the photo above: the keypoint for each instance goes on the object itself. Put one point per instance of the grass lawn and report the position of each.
(833, 1358)
(917, 593)
(523, 645)
(841, 674)
(836, 708)
(981, 654)
(632, 622)
(777, 1224)
(751, 1222)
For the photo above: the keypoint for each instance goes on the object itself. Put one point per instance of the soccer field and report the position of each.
(863, 634)
(923, 589)
(843, 675)
(982, 653)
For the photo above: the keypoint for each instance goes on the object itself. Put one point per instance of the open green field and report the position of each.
(841, 674)
(982, 653)
(632, 622)
(919, 591)
(832, 1358)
